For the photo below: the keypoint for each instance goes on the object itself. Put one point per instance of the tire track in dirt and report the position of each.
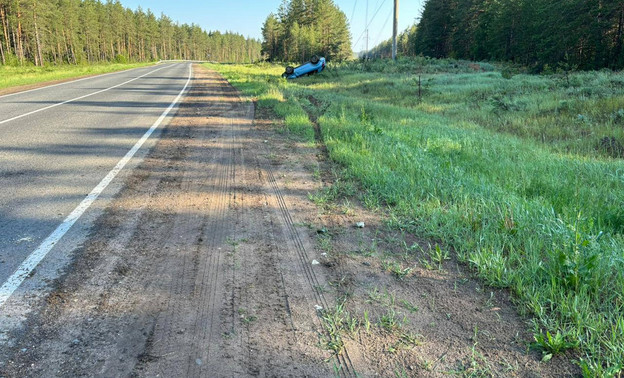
(210, 283)
(188, 326)
(344, 361)
(261, 308)
(196, 269)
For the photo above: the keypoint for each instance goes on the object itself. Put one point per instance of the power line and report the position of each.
(353, 13)
(371, 21)
(366, 30)
(367, 27)
(383, 27)
(378, 1)
(375, 14)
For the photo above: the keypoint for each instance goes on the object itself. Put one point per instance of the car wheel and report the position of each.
(290, 70)
(315, 59)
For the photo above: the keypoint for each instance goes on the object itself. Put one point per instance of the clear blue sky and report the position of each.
(247, 16)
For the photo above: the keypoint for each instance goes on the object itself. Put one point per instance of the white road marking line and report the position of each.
(31, 262)
(78, 98)
(69, 82)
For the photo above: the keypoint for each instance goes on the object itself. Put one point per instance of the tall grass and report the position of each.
(509, 172)
(567, 112)
(17, 76)
(263, 83)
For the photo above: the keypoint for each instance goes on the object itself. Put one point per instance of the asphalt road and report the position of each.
(57, 144)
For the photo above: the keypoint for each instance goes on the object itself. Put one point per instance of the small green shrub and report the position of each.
(121, 59)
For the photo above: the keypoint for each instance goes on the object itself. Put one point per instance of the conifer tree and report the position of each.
(43, 32)
(302, 28)
(586, 34)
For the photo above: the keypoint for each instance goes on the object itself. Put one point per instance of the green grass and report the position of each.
(508, 172)
(263, 84)
(18, 76)
(337, 323)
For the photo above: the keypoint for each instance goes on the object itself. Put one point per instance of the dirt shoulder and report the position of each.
(214, 261)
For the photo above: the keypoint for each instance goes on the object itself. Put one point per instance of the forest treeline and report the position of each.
(581, 34)
(43, 32)
(302, 28)
(405, 45)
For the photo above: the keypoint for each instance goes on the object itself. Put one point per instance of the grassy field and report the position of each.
(18, 76)
(522, 176)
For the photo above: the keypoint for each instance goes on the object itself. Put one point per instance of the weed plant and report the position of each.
(510, 172)
(338, 322)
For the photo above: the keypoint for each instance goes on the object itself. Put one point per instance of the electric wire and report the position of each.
(383, 27)
(353, 13)
(370, 22)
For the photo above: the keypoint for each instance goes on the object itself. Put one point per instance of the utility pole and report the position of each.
(395, 29)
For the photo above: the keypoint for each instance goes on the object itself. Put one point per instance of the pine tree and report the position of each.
(271, 33)
(587, 34)
(302, 28)
(434, 29)
(88, 31)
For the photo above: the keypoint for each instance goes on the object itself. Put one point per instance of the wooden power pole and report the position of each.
(395, 29)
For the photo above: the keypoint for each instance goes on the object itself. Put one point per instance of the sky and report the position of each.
(247, 16)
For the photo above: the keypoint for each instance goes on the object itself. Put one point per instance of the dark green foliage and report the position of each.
(405, 45)
(434, 30)
(303, 28)
(40, 32)
(541, 34)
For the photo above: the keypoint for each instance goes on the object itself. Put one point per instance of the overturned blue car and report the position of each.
(315, 65)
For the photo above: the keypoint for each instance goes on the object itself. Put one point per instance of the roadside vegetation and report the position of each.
(19, 76)
(521, 176)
